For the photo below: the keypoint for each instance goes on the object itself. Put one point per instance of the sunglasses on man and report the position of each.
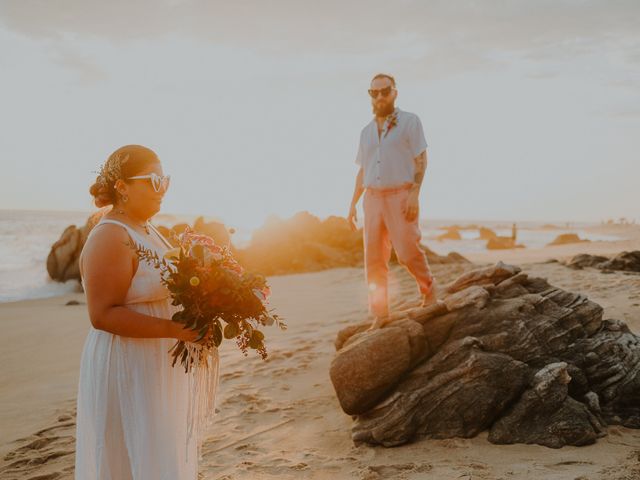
(158, 182)
(383, 91)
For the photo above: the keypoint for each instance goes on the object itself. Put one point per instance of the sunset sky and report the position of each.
(531, 109)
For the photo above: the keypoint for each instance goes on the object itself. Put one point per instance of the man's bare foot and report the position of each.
(378, 322)
(430, 298)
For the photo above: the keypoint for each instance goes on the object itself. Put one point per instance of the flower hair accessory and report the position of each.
(111, 170)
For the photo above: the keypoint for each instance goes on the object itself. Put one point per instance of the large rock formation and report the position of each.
(303, 243)
(502, 352)
(62, 261)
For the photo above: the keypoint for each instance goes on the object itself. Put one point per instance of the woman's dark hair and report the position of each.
(125, 162)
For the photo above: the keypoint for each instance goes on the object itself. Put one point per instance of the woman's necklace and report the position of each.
(145, 226)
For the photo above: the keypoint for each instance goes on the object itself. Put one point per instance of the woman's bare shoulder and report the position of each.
(107, 242)
(106, 234)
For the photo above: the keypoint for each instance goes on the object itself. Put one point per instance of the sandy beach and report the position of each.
(280, 418)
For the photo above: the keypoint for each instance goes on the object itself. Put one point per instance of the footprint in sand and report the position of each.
(278, 372)
(276, 466)
(568, 463)
(231, 375)
(374, 472)
(48, 476)
(52, 447)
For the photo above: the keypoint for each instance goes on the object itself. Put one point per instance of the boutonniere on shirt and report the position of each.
(392, 121)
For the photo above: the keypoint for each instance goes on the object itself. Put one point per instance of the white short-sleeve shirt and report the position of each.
(388, 159)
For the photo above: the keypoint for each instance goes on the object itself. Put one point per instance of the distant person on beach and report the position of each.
(392, 157)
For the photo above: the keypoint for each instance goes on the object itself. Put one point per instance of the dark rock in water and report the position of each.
(486, 233)
(451, 234)
(62, 261)
(566, 238)
(500, 349)
(502, 243)
(624, 262)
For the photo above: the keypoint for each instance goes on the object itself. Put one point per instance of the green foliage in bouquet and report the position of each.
(219, 299)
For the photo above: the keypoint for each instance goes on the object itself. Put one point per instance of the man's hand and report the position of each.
(352, 218)
(358, 190)
(411, 212)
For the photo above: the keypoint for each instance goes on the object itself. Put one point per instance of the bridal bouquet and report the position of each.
(219, 299)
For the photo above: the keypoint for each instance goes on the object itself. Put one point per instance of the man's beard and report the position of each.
(384, 110)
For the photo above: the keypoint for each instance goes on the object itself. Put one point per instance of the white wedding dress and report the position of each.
(137, 416)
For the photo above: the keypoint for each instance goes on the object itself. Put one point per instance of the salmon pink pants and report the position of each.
(385, 225)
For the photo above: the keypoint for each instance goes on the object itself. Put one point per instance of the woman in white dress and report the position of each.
(137, 418)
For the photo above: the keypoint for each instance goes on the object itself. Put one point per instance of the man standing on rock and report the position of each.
(393, 158)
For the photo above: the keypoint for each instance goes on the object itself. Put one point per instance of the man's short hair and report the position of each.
(385, 75)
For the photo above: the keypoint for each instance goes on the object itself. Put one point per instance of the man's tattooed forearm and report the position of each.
(421, 166)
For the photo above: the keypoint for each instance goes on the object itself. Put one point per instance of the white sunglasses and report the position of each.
(157, 181)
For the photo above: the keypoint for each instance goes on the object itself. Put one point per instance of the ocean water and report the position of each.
(529, 234)
(26, 238)
(25, 241)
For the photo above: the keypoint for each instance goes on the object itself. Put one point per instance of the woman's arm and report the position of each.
(108, 264)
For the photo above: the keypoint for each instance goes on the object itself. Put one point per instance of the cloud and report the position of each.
(87, 71)
(437, 37)
(543, 75)
(626, 113)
